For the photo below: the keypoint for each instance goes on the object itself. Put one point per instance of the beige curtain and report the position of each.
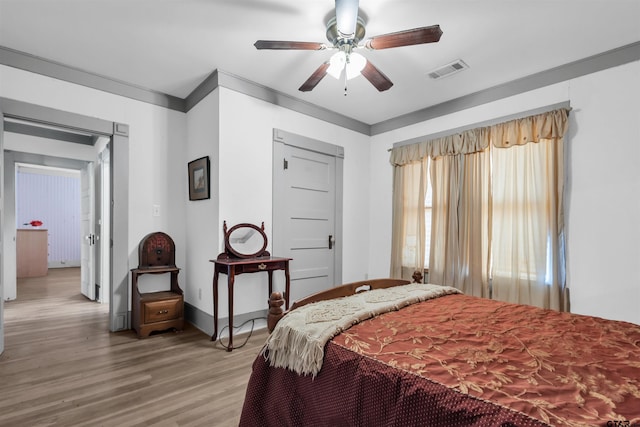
(410, 174)
(460, 221)
(497, 219)
(407, 244)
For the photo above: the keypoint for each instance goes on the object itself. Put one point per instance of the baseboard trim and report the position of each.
(204, 321)
(64, 264)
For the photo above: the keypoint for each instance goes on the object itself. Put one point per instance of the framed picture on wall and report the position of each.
(199, 179)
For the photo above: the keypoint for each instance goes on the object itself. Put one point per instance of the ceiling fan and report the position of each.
(345, 31)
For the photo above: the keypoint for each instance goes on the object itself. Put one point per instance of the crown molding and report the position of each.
(45, 67)
(219, 78)
(592, 64)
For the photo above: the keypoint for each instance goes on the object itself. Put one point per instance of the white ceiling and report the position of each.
(171, 46)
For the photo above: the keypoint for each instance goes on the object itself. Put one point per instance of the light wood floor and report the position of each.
(62, 367)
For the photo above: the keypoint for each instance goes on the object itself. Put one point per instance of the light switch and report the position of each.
(156, 210)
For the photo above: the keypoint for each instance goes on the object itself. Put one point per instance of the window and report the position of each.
(522, 225)
(494, 210)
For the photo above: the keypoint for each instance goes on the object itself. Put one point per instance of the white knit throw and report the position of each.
(298, 340)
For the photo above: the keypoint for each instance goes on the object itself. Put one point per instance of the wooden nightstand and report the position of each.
(156, 311)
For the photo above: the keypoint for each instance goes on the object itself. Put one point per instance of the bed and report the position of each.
(448, 360)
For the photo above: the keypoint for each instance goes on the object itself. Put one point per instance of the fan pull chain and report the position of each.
(345, 79)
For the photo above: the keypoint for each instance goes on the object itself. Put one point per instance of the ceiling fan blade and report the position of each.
(406, 38)
(376, 77)
(315, 78)
(346, 17)
(284, 45)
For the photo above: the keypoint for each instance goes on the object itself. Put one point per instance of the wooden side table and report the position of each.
(235, 266)
(156, 311)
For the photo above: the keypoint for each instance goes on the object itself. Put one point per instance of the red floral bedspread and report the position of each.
(461, 361)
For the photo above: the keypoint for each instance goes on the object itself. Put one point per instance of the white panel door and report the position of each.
(87, 219)
(103, 207)
(309, 219)
(97, 221)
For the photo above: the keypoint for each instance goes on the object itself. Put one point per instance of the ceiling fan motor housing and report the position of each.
(336, 39)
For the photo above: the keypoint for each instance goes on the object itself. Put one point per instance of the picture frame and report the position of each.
(199, 179)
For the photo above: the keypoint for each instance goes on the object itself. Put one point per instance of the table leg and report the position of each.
(287, 285)
(215, 305)
(270, 274)
(232, 275)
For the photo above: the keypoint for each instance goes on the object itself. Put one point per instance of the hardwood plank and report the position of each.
(61, 366)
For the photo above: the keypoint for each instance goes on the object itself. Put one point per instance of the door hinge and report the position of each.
(285, 164)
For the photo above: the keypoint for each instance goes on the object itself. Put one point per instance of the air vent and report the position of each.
(448, 70)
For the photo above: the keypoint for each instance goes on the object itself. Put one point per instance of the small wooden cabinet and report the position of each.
(32, 253)
(156, 311)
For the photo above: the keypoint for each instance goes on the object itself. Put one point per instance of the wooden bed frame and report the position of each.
(276, 301)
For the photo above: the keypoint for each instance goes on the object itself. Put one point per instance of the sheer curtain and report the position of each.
(497, 217)
(527, 245)
(407, 244)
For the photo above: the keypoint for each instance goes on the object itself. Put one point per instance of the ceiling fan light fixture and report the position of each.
(336, 64)
(355, 65)
(352, 66)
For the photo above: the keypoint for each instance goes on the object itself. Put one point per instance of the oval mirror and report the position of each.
(246, 240)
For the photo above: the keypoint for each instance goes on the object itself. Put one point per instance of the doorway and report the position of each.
(94, 128)
(59, 192)
(45, 195)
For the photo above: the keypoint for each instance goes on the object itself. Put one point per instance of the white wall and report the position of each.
(244, 188)
(602, 191)
(203, 233)
(157, 141)
(604, 194)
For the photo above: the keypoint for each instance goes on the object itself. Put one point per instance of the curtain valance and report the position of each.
(469, 141)
(550, 125)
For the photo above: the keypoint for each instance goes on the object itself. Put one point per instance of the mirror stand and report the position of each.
(243, 241)
(244, 252)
